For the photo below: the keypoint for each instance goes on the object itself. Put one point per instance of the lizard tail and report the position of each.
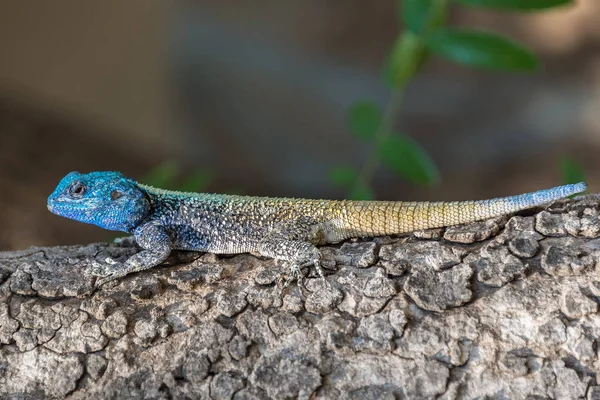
(375, 218)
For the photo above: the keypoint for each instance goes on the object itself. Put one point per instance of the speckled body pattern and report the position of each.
(282, 228)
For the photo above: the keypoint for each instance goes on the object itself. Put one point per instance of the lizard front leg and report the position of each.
(156, 245)
(295, 253)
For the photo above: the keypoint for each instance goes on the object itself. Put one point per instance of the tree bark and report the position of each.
(504, 308)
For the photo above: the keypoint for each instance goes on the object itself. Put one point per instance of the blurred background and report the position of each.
(252, 97)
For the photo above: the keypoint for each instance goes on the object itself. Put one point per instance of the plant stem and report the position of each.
(386, 128)
(411, 54)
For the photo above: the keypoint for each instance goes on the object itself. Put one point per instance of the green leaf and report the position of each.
(163, 175)
(408, 159)
(515, 5)
(404, 59)
(480, 49)
(415, 14)
(361, 191)
(344, 176)
(418, 15)
(196, 182)
(364, 119)
(571, 170)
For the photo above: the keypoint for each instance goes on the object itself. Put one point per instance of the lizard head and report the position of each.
(106, 199)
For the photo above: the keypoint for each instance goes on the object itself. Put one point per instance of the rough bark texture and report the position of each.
(506, 308)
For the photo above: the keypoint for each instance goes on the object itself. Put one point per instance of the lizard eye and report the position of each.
(77, 189)
(115, 194)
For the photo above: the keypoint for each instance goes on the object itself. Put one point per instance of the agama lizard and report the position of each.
(285, 229)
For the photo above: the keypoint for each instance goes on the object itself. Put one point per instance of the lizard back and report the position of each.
(245, 219)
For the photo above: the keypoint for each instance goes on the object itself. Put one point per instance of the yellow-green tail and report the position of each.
(376, 218)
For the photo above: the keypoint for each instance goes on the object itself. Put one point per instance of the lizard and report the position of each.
(286, 229)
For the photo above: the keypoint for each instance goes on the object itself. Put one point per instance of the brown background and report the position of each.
(256, 93)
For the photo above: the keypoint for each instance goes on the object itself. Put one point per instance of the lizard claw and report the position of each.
(110, 261)
(284, 279)
(317, 264)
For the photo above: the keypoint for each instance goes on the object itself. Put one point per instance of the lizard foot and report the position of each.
(127, 241)
(106, 272)
(292, 272)
(105, 279)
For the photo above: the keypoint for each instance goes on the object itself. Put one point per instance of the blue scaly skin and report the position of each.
(282, 228)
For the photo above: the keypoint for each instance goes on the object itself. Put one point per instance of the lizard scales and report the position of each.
(286, 229)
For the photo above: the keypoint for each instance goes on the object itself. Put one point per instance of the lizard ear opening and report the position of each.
(115, 194)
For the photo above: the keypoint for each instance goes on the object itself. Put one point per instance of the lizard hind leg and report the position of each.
(295, 254)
